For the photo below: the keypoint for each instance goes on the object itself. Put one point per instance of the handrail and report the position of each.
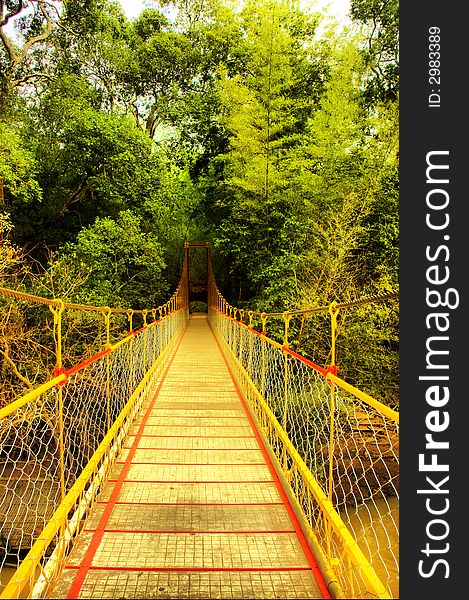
(327, 373)
(114, 381)
(65, 373)
(28, 566)
(319, 428)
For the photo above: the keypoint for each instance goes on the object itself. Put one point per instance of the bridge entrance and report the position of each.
(214, 464)
(198, 257)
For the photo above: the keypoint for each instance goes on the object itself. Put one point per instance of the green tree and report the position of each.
(91, 163)
(265, 111)
(18, 168)
(162, 65)
(93, 42)
(348, 154)
(32, 22)
(125, 264)
(380, 19)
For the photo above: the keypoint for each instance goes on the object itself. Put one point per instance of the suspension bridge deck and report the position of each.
(193, 507)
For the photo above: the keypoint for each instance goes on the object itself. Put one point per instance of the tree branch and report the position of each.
(8, 46)
(39, 38)
(76, 196)
(11, 364)
(27, 78)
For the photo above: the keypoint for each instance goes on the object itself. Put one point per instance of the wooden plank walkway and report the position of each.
(193, 508)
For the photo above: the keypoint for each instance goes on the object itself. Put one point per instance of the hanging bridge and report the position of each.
(196, 457)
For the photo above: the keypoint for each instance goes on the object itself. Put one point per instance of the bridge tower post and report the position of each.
(198, 268)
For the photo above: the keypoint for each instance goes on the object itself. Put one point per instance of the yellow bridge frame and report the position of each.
(343, 563)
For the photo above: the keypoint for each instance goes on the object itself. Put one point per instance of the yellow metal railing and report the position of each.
(335, 446)
(58, 442)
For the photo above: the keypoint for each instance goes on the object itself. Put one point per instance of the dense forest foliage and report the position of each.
(250, 124)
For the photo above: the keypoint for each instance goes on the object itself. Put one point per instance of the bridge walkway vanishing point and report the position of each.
(193, 507)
